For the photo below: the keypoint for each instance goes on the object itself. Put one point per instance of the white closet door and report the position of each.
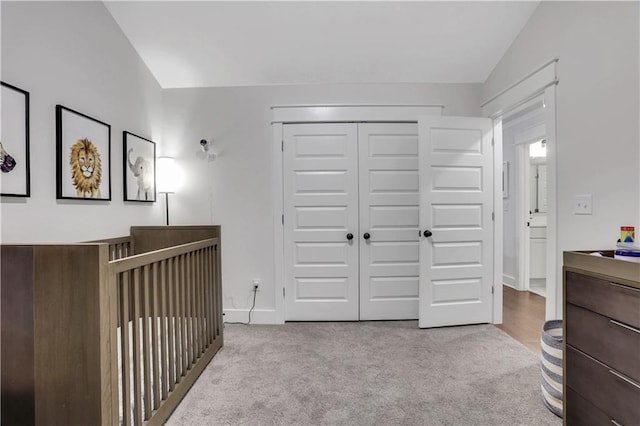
(389, 199)
(321, 209)
(456, 194)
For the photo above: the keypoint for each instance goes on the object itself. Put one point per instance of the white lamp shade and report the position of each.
(166, 174)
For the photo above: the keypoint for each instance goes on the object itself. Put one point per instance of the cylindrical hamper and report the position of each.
(551, 366)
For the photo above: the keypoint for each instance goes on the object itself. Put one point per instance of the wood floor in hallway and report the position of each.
(523, 317)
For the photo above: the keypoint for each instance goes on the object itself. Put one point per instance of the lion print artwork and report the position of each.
(86, 169)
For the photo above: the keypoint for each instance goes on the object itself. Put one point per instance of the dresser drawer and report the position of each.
(621, 303)
(617, 396)
(609, 341)
(580, 412)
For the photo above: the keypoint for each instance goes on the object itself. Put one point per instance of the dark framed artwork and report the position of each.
(14, 142)
(139, 165)
(83, 156)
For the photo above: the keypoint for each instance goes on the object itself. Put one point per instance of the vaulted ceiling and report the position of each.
(239, 43)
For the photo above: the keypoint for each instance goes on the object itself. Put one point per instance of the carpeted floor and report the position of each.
(367, 373)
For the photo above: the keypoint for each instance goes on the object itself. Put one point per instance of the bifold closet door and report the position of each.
(320, 214)
(389, 214)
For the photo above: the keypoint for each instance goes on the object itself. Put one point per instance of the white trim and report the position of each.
(498, 222)
(509, 281)
(258, 316)
(342, 113)
(540, 81)
(554, 255)
(278, 230)
(521, 80)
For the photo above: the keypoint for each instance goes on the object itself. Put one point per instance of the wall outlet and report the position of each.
(582, 204)
(256, 284)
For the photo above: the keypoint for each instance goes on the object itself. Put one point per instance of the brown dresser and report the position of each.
(602, 340)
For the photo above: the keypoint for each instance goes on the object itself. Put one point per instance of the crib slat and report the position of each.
(203, 297)
(189, 282)
(137, 373)
(218, 287)
(202, 300)
(214, 271)
(183, 326)
(163, 314)
(146, 352)
(124, 348)
(207, 294)
(179, 315)
(212, 295)
(198, 283)
(171, 287)
(155, 381)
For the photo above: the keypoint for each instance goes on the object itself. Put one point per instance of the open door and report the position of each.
(456, 221)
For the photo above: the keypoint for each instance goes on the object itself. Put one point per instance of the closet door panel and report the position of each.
(320, 208)
(389, 199)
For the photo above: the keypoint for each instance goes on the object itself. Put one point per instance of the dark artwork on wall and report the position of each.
(139, 165)
(14, 142)
(83, 156)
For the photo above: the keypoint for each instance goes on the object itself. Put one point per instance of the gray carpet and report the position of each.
(367, 373)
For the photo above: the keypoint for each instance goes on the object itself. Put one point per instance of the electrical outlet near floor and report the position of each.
(256, 284)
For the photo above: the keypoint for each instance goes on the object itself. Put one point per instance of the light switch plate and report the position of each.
(583, 204)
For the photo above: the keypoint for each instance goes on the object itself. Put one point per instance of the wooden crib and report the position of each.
(109, 332)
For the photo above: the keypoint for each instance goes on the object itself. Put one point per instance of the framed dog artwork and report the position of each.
(139, 166)
(14, 142)
(83, 156)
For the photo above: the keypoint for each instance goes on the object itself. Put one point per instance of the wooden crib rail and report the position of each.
(169, 302)
(119, 247)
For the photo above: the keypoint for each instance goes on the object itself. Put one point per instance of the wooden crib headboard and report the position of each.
(150, 238)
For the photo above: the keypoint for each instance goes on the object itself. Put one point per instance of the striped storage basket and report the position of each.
(551, 366)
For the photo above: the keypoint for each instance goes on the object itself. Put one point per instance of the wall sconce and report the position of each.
(166, 182)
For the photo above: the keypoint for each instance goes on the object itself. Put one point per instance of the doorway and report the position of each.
(525, 206)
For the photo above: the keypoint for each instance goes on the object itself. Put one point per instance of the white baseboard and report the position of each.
(509, 281)
(258, 316)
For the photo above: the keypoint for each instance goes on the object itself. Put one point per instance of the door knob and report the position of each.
(366, 236)
(427, 233)
(349, 236)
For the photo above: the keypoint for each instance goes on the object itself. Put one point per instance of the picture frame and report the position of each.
(505, 179)
(83, 156)
(15, 176)
(139, 167)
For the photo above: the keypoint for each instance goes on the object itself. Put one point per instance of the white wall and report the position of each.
(74, 54)
(597, 111)
(235, 189)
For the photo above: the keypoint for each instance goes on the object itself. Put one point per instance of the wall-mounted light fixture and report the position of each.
(206, 147)
(166, 179)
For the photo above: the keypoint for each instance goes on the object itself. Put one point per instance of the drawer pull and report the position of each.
(626, 379)
(615, 423)
(624, 287)
(635, 330)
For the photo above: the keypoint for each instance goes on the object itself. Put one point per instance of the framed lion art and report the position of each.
(139, 168)
(83, 156)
